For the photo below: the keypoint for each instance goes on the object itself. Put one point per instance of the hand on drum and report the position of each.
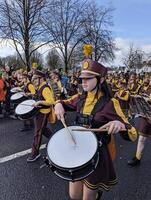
(59, 111)
(113, 126)
(27, 94)
(37, 104)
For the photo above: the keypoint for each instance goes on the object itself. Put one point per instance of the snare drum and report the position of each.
(73, 162)
(25, 110)
(16, 89)
(18, 98)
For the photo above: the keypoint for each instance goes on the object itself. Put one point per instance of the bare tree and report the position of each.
(14, 61)
(64, 22)
(147, 60)
(37, 58)
(97, 27)
(20, 21)
(53, 59)
(134, 58)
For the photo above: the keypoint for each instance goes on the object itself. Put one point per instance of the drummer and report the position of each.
(29, 91)
(28, 88)
(95, 108)
(133, 85)
(44, 98)
(145, 88)
(143, 126)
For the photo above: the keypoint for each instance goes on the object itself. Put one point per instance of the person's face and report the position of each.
(89, 84)
(132, 79)
(24, 79)
(7, 69)
(146, 81)
(19, 77)
(36, 82)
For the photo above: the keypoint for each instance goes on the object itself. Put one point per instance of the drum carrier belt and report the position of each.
(88, 120)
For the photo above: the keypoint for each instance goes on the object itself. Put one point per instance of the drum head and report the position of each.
(16, 96)
(16, 89)
(63, 153)
(25, 107)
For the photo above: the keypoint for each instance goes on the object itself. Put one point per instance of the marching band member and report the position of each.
(28, 88)
(145, 87)
(143, 126)
(95, 108)
(2, 93)
(29, 91)
(133, 85)
(123, 96)
(115, 85)
(45, 98)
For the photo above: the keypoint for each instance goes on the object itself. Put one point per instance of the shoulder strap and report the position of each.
(41, 90)
(81, 102)
(100, 104)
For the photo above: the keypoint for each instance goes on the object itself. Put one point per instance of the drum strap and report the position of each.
(83, 119)
(39, 92)
(26, 87)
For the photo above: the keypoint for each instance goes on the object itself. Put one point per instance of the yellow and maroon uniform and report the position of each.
(94, 110)
(44, 94)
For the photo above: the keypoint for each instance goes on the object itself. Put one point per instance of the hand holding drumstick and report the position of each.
(111, 127)
(59, 111)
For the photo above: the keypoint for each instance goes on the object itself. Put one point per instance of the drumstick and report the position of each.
(23, 104)
(93, 129)
(68, 131)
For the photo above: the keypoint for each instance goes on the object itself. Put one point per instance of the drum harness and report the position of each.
(88, 120)
(38, 96)
(26, 87)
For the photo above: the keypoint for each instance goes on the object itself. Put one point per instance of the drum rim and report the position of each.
(15, 95)
(76, 168)
(23, 116)
(59, 167)
(79, 178)
(13, 89)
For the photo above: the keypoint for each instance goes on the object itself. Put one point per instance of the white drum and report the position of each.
(18, 97)
(73, 162)
(16, 89)
(25, 110)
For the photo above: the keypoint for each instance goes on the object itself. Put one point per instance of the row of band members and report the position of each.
(68, 85)
(95, 107)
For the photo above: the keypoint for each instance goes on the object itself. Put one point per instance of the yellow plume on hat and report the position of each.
(34, 65)
(87, 50)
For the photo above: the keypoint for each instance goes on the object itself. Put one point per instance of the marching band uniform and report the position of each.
(144, 129)
(133, 85)
(94, 109)
(29, 90)
(115, 84)
(2, 92)
(123, 96)
(46, 99)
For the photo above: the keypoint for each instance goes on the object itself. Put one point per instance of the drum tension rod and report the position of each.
(71, 173)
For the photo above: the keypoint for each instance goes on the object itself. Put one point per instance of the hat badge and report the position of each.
(85, 65)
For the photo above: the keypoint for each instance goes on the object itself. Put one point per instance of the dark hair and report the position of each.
(104, 87)
(106, 90)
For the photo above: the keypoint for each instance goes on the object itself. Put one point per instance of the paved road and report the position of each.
(22, 181)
